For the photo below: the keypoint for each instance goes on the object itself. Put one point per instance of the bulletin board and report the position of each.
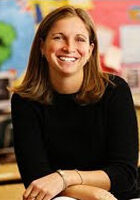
(118, 28)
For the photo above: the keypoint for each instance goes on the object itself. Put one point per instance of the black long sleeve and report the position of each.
(66, 135)
(122, 141)
(28, 140)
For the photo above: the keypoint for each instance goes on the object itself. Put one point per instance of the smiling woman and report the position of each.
(67, 52)
(75, 128)
(51, 33)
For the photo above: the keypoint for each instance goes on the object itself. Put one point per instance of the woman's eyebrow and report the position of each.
(79, 34)
(82, 36)
(57, 34)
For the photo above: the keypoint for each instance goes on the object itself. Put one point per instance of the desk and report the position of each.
(11, 192)
(136, 98)
(9, 172)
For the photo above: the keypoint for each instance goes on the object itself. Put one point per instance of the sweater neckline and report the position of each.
(65, 99)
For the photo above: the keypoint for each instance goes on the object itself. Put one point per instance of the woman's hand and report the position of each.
(44, 188)
(86, 192)
(101, 194)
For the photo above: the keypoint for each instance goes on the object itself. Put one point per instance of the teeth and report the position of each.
(67, 59)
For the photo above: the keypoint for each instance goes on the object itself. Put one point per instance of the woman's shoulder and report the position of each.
(26, 107)
(24, 102)
(117, 82)
(117, 87)
(16, 98)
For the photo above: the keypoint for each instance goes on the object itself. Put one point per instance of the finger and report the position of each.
(31, 198)
(109, 196)
(27, 192)
(46, 197)
(33, 195)
(104, 195)
(113, 197)
(40, 196)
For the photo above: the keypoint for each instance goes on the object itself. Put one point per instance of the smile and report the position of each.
(67, 59)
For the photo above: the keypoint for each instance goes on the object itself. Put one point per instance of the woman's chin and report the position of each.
(68, 70)
(67, 73)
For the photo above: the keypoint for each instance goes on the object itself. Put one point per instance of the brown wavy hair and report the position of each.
(36, 84)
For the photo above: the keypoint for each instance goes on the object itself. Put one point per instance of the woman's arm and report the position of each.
(119, 175)
(28, 142)
(93, 178)
(122, 140)
(51, 185)
(85, 192)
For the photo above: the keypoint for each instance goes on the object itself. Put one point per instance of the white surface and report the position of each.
(135, 199)
(63, 198)
(130, 43)
(113, 58)
(5, 104)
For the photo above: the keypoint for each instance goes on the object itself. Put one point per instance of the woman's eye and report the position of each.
(80, 40)
(57, 38)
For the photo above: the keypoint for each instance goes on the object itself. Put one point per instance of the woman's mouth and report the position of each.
(67, 59)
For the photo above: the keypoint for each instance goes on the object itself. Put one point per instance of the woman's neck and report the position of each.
(67, 85)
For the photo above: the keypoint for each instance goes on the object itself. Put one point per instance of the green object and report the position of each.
(7, 36)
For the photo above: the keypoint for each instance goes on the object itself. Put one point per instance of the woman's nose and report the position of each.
(69, 47)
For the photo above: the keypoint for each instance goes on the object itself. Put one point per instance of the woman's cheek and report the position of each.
(84, 52)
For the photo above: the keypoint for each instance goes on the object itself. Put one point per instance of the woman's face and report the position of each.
(67, 47)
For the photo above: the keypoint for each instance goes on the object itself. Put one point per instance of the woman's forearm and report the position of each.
(85, 192)
(78, 192)
(93, 178)
(96, 178)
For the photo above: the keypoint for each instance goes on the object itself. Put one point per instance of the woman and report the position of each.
(69, 115)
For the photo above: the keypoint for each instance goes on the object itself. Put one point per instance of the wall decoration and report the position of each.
(18, 22)
(16, 34)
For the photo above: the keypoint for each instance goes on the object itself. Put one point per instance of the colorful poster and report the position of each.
(18, 22)
(16, 34)
(118, 24)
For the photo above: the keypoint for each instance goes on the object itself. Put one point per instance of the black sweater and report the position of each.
(66, 135)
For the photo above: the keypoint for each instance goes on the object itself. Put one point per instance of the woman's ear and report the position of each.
(91, 49)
